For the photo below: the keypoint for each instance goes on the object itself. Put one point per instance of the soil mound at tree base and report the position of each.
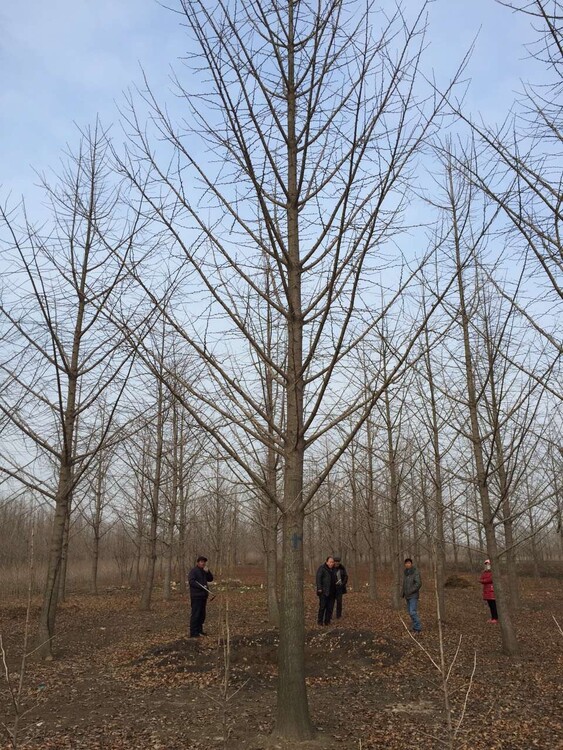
(329, 651)
(457, 582)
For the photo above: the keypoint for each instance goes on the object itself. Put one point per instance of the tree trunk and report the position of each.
(372, 516)
(64, 556)
(293, 720)
(146, 595)
(455, 549)
(355, 582)
(468, 542)
(96, 528)
(439, 543)
(172, 508)
(47, 618)
(512, 577)
(396, 565)
(533, 545)
(183, 489)
(272, 563)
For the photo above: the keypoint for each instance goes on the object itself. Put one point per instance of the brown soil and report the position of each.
(128, 680)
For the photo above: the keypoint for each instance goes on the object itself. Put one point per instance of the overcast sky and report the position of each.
(65, 61)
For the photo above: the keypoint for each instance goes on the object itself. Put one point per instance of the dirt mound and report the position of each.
(328, 652)
(337, 651)
(457, 582)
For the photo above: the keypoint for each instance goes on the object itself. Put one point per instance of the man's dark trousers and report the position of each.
(197, 619)
(339, 605)
(326, 605)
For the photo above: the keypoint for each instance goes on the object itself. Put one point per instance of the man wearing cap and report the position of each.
(341, 581)
(198, 578)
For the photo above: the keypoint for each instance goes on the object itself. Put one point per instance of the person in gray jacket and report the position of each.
(411, 587)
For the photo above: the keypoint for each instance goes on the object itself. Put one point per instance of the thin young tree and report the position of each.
(466, 240)
(60, 354)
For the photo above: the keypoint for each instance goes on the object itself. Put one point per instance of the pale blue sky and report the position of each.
(65, 61)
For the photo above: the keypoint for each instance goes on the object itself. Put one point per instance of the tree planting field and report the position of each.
(124, 679)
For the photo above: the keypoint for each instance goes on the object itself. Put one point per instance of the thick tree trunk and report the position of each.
(293, 720)
(47, 618)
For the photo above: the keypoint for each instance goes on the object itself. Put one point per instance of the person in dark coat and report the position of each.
(326, 591)
(411, 587)
(198, 578)
(486, 580)
(341, 581)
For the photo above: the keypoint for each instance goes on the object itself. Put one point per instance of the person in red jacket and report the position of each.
(486, 580)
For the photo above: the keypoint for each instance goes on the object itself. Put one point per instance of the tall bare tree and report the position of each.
(314, 122)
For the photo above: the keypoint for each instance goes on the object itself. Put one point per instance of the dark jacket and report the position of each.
(341, 579)
(411, 582)
(197, 578)
(486, 580)
(326, 581)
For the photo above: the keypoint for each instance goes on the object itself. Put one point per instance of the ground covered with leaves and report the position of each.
(130, 680)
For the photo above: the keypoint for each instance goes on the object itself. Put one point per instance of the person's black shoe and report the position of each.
(194, 635)
(201, 632)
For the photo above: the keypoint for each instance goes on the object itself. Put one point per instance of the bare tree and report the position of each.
(466, 241)
(314, 122)
(521, 172)
(59, 352)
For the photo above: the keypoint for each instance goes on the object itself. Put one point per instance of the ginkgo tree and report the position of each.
(290, 146)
